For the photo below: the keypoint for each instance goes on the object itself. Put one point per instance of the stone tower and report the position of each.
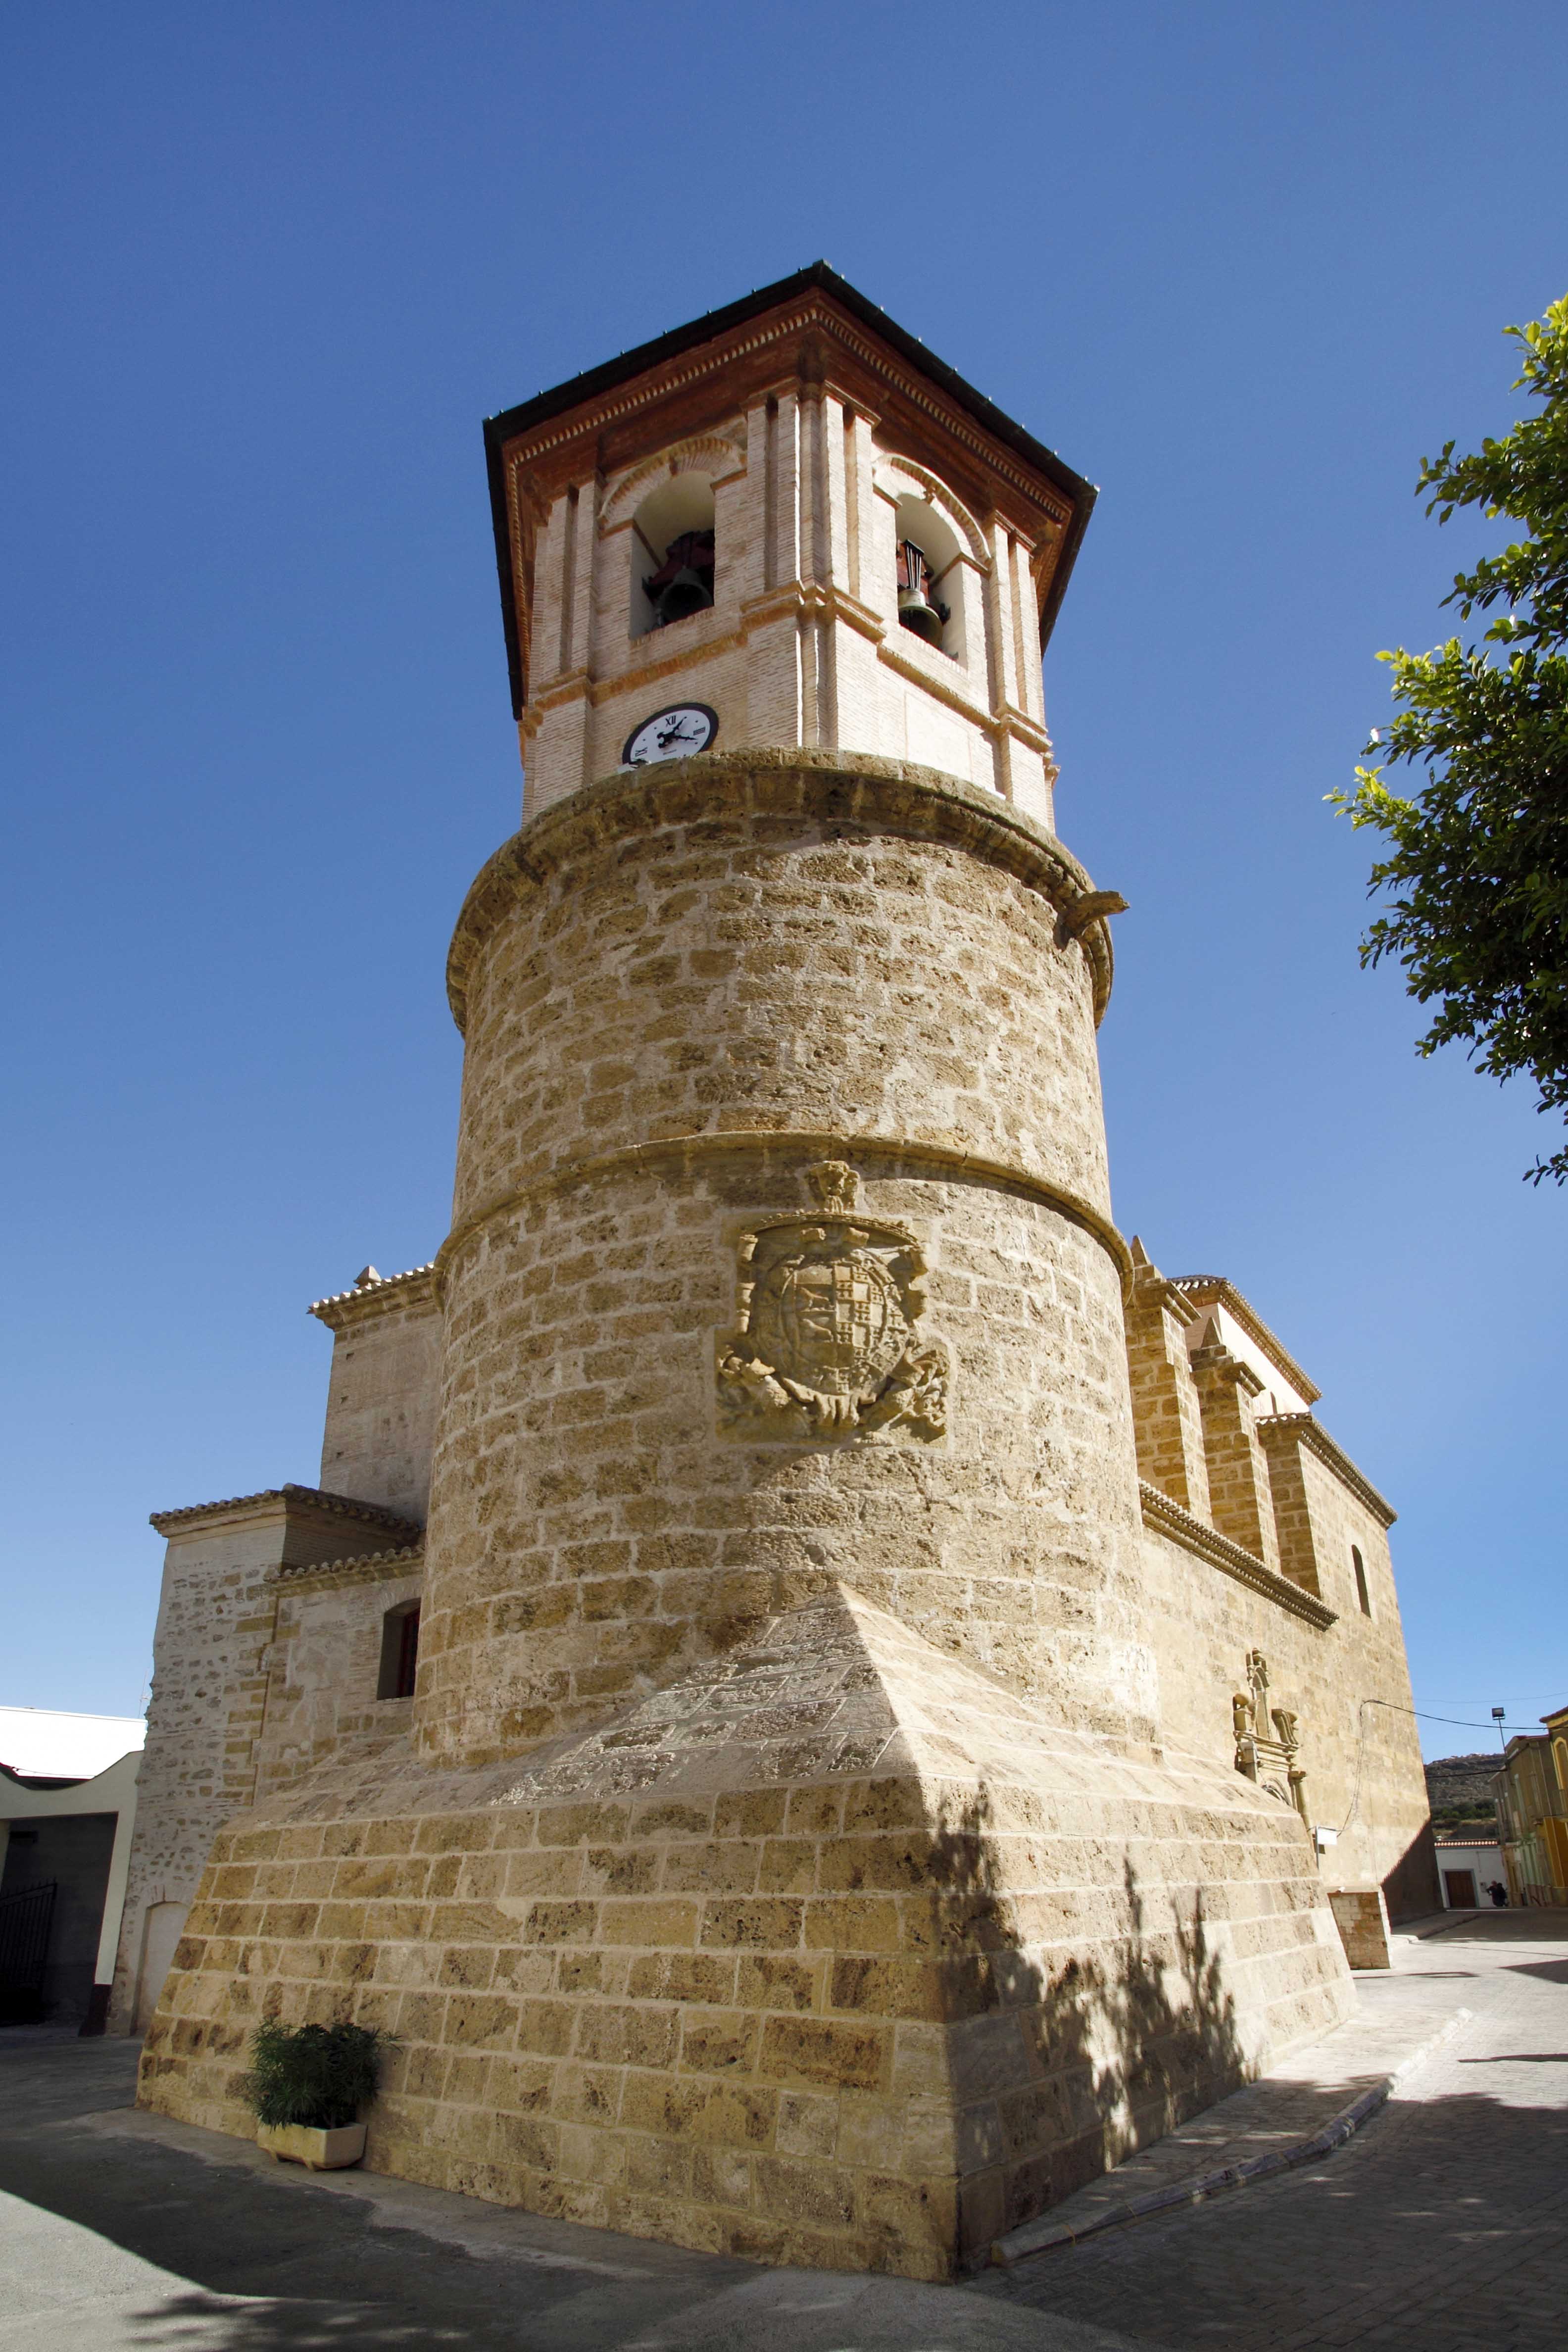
(782, 1852)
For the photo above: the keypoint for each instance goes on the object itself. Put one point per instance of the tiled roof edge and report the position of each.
(373, 1297)
(312, 1498)
(364, 1563)
(1219, 1288)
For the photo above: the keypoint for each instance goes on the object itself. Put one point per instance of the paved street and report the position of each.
(1444, 2224)
(124, 2233)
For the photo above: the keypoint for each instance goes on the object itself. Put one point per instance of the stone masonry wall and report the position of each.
(679, 993)
(381, 1392)
(778, 944)
(212, 1655)
(590, 1529)
(1348, 1684)
(322, 1693)
(831, 1952)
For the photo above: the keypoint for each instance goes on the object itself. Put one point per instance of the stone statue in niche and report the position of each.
(1270, 1761)
(1258, 1684)
(826, 1343)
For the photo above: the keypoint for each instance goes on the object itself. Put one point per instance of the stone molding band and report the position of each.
(896, 796)
(810, 1143)
(1165, 1516)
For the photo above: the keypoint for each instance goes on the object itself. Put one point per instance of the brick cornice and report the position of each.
(1280, 1427)
(311, 1502)
(787, 326)
(1164, 1516)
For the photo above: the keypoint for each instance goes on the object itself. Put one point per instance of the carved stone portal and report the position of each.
(826, 1345)
(1271, 1762)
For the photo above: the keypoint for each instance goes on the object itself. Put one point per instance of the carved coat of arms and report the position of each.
(826, 1343)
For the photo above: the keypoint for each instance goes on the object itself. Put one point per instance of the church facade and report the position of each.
(820, 1696)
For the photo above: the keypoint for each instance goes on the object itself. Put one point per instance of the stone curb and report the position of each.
(1043, 2237)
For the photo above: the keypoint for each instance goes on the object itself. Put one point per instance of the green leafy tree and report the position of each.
(1477, 857)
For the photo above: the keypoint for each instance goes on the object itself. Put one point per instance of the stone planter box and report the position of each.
(323, 2151)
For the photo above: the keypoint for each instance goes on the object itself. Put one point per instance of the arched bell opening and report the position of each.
(930, 577)
(672, 553)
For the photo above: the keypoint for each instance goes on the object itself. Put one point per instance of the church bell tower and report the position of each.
(779, 1852)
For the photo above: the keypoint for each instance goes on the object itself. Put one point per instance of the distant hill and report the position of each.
(1458, 1789)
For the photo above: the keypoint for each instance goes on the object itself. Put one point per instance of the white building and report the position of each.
(68, 1810)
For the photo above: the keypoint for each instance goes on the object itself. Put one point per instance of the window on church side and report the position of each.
(673, 554)
(1361, 1591)
(399, 1651)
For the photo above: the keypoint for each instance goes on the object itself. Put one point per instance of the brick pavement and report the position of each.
(1443, 2225)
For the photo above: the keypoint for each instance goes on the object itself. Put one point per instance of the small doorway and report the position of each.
(1460, 1887)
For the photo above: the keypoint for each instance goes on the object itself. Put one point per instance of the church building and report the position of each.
(820, 1697)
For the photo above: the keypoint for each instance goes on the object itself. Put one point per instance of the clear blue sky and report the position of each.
(266, 268)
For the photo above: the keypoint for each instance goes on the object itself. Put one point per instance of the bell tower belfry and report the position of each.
(786, 525)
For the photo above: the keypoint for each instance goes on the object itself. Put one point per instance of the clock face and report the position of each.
(670, 734)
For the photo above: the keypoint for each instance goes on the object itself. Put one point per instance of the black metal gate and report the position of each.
(25, 1921)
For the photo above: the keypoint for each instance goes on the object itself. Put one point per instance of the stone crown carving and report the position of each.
(825, 1344)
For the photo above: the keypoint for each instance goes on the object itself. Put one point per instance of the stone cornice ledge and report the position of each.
(1163, 1517)
(897, 796)
(1312, 1434)
(366, 1568)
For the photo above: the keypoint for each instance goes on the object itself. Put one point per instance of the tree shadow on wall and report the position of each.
(1061, 2066)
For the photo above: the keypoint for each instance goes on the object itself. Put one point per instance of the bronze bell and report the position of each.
(916, 610)
(683, 583)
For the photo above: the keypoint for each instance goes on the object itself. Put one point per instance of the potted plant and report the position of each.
(306, 2087)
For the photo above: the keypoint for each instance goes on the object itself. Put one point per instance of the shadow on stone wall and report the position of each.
(1060, 2070)
(1411, 1889)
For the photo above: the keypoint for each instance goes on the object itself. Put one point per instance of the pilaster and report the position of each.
(1281, 1444)
(1241, 1503)
(1167, 1419)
